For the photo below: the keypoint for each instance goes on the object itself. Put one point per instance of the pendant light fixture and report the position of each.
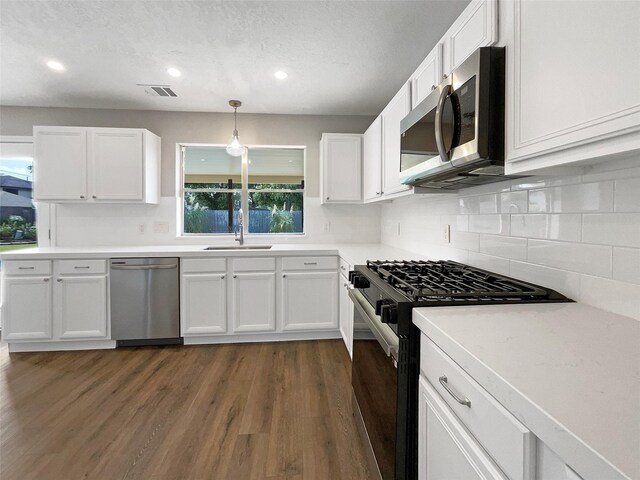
(235, 148)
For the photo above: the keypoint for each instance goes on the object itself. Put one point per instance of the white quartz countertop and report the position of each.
(355, 254)
(569, 372)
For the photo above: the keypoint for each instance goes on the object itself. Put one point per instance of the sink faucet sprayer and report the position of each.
(241, 225)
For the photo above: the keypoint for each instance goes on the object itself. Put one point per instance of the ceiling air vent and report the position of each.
(158, 90)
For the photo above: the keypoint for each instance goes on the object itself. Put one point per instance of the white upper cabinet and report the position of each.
(392, 115)
(372, 160)
(477, 26)
(572, 83)
(78, 164)
(60, 171)
(341, 168)
(427, 76)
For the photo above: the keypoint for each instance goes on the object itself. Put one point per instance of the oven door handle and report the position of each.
(390, 349)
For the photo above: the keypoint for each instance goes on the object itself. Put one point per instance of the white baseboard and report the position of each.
(61, 346)
(262, 337)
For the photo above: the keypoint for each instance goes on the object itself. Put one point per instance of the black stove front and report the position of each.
(385, 365)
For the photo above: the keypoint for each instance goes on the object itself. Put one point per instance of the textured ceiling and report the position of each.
(343, 57)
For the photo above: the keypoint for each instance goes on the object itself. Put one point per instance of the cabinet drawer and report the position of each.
(344, 267)
(204, 265)
(254, 264)
(509, 442)
(310, 263)
(73, 267)
(25, 267)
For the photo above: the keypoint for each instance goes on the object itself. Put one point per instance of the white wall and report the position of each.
(120, 225)
(579, 235)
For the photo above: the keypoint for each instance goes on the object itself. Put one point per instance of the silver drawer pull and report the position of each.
(81, 267)
(445, 385)
(26, 268)
(342, 268)
(310, 263)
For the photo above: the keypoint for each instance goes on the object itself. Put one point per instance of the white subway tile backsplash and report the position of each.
(496, 224)
(489, 262)
(465, 241)
(514, 202)
(626, 264)
(567, 227)
(576, 257)
(588, 197)
(458, 223)
(620, 229)
(611, 295)
(530, 183)
(627, 195)
(479, 204)
(567, 283)
(500, 246)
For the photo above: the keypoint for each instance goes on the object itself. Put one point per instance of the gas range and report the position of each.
(386, 344)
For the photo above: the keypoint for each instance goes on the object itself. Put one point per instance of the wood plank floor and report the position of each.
(252, 411)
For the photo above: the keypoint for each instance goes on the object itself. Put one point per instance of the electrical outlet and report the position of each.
(141, 227)
(327, 227)
(160, 227)
(446, 233)
(398, 230)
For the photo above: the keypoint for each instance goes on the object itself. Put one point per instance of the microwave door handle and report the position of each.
(445, 155)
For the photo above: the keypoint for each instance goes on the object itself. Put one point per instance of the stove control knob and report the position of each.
(359, 280)
(389, 313)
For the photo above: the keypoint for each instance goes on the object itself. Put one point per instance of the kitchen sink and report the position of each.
(239, 247)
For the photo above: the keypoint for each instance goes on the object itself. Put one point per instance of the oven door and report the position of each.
(375, 384)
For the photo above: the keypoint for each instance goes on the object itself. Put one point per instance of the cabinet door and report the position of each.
(253, 300)
(477, 26)
(116, 164)
(446, 451)
(372, 160)
(341, 168)
(598, 114)
(392, 115)
(310, 301)
(204, 304)
(60, 163)
(346, 315)
(427, 76)
(80, 306)
(26, 311)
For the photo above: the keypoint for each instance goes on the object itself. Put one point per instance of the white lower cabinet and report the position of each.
(446, 450)
(27, 308)
(310, 300)
(346, 314)
(71, 304)
(253, 301)
(80, 307)
(204, 304)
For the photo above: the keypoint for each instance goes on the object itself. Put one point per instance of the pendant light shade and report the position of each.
(235, 148)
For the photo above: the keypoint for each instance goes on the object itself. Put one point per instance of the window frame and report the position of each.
(244, 191)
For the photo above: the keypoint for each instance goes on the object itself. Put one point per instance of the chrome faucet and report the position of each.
(241, 228)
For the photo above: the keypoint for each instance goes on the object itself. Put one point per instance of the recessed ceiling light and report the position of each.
(281, 75)
(174, 72)
(54, 65)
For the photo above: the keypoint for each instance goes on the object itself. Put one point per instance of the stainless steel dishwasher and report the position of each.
(145, 301)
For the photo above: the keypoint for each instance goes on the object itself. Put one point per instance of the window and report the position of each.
(266, 182)
(17, 212)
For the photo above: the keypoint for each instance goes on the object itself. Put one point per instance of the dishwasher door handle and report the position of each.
(143, 267)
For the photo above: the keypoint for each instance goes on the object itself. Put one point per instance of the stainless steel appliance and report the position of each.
(385, 364)
(455, 137)
(145, 301)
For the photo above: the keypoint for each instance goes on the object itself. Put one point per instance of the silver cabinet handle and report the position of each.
(445, 385)
(81, 267)
(26, 268)
(433, 87)
(327, 198)
(45, 279)
(222, 276)
(59, 280)
(93, 196)
(235, 276)
(342, 268)
(81, 196)
(444, 76)
(284, 276)
(310, 263)
(378, 193)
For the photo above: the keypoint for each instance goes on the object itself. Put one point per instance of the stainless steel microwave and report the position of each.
(455, 137)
